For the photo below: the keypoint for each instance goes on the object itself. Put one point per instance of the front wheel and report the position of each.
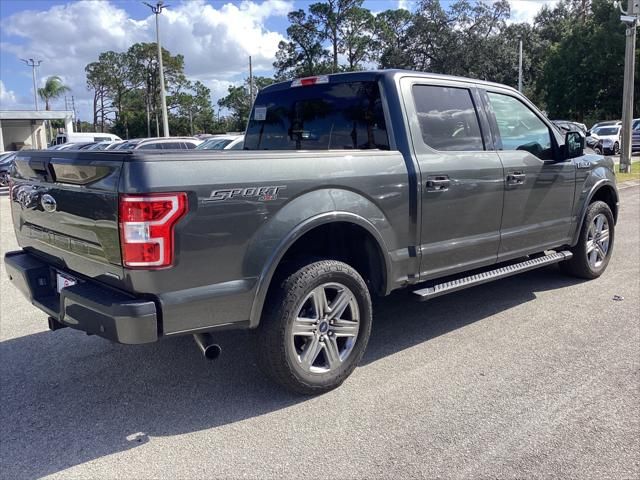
(592, 252)
(316, 327)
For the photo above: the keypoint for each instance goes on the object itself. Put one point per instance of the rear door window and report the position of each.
(332, 116)
(171, 145)
(149, 146)
(448, 118)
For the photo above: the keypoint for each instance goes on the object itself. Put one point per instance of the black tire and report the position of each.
(276, 351)
(579, 265)
(616, 148)
(4, 179)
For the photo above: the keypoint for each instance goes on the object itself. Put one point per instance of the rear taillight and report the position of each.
(146, 228)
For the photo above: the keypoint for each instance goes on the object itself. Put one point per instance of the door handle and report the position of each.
(438, 183)
(516, 178)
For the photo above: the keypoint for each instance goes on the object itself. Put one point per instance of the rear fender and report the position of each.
(302, 215)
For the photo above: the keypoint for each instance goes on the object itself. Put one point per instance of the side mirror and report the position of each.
(573, 145)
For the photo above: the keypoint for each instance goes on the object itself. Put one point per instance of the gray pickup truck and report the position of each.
(350, 186)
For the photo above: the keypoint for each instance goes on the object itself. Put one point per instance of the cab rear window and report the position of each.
(338, 116)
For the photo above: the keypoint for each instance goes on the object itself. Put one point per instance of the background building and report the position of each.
(26, 129)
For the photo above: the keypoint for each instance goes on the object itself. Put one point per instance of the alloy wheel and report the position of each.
(325, 328)
(598, 241)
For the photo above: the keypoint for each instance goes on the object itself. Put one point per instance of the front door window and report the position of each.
(519, 127)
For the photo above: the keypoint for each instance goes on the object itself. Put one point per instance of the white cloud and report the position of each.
(216, 40)
(8, 98)
(526, 10)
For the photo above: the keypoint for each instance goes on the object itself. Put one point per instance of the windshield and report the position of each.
(125, 146)
(607, 131)
(320, 117)
(6, 158)
(214, 144)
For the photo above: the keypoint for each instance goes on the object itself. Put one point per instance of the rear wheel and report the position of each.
(4, 179)
(315, 328)
(592, 252)
(616, 148)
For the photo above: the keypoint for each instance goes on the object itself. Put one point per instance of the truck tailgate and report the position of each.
(65, 210)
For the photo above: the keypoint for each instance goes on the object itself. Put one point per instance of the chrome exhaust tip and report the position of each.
(205, 343)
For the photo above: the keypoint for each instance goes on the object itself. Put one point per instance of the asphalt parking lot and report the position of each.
(537, 376)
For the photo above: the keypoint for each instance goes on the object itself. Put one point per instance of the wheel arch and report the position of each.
(310, 227)
(603, 190)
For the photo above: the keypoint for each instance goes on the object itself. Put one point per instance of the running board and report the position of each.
(485, 277)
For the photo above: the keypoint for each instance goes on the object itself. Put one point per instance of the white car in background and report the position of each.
(223, 142)
(609, 137)
(84, 137)
(159, 143)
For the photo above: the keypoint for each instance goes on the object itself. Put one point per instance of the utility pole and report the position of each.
(250, 82)
(157, 10)
(75, 115)
(630, 19)
(520, 65)
(33, 64)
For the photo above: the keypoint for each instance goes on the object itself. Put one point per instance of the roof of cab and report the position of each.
(370, 75)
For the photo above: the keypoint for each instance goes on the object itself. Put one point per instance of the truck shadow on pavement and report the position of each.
(66, 399)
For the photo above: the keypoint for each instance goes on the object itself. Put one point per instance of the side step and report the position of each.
(485, 277)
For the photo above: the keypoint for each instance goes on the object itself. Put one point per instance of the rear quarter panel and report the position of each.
(225, 246)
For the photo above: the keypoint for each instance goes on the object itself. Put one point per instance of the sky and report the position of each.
(216, 38)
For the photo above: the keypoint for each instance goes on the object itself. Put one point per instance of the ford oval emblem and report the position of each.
(48, 203)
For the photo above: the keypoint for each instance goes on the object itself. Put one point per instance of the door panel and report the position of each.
(537, 212)
(460, 224)
(538, 195)
(461, 181)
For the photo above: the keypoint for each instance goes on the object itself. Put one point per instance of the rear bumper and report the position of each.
(87, 306)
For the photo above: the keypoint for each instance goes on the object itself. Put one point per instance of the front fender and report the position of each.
(302, 215)
(594, 180)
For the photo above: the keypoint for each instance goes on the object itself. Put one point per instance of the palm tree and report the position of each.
(53, 88)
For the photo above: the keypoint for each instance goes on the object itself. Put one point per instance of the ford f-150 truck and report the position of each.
(349, 186)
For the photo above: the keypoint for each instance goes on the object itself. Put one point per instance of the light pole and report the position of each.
(630, 19)
(157, 10)
(33, 64)
(520, 64)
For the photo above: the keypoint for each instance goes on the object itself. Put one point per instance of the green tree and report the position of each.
(98, 78)
(238, 101)
(303, 55)
(53, 88)
(144, 72)
(357, 37)
(329, 19)
(192, 110)
(581, 75)
(394, 41)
